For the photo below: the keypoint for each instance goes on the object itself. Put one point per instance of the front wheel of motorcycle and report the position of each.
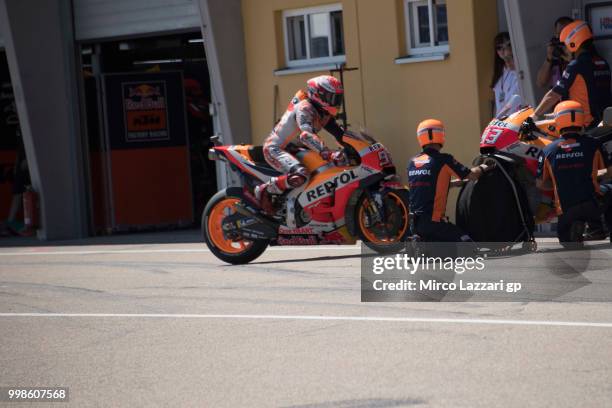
(389, 234)
(234, 250)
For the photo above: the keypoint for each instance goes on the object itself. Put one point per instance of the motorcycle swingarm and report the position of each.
(246, 224)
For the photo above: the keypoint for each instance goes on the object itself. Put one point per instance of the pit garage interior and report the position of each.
(116, 108)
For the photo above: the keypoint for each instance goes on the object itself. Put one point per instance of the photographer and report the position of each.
(557, 57)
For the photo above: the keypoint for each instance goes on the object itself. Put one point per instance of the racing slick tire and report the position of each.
(234, 251)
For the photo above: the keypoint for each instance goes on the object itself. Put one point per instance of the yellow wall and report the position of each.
(388, 100)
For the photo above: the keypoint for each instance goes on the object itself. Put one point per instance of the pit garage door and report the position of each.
(99, 19)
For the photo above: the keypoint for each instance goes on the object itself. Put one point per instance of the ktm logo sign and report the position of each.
(328, 187)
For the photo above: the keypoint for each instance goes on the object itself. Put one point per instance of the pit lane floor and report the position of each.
(132, 324)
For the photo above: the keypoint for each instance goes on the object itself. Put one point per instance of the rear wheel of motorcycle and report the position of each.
(390, 235)
(235, 251)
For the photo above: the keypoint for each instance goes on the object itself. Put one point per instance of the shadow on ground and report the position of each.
(183, 236)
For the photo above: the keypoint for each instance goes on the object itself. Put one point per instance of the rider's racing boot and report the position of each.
(263, 194)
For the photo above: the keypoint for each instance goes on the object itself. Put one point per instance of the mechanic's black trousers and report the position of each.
(588, 211)
(433, 231)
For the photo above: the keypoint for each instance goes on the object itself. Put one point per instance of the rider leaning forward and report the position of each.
(570, 166)
(429, 177)
(307, 114)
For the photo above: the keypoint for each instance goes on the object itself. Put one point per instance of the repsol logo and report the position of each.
(572, 155)
(329, 186)
(524, 150)
(500, 124)
(424, 172)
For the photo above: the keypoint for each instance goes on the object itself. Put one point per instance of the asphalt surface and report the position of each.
(167, 324)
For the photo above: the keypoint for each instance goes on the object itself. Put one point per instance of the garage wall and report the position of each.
(96, 19)
(502, 20)
(531, 27)
(604, 46)
(387, 98)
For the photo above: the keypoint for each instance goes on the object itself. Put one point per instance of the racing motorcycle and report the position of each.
(519, 138)
(504, 205)
(338, 205)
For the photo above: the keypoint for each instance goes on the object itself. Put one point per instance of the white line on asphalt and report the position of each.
(321, 318)
(168, 251)
(103, 251)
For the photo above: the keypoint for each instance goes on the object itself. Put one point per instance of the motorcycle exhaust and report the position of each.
(241, 209)
(261, 228)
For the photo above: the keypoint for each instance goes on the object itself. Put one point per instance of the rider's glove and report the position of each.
(527, 130)
(339, 158)
(325, 154)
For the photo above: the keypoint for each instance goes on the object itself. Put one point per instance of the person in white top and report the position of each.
(505, 80)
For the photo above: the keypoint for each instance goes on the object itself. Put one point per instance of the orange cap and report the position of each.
(575, 34)
(430, 131)
(569, 114)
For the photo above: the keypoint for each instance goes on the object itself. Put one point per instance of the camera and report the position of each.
(558, 48)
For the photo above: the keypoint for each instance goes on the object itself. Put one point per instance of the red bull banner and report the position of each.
(148, 155)
(145, 110)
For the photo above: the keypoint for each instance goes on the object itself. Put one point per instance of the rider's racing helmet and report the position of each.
(430, 131)
(569, 114)
(326, 91)
(575, 34)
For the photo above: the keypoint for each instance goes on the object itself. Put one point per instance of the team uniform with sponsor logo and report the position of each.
(587, 80)
(571, 163)
(429, 176)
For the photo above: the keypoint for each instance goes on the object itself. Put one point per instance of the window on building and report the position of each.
(314, 36)
(426, 26)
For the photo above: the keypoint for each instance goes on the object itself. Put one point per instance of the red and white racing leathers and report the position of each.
(299, 127)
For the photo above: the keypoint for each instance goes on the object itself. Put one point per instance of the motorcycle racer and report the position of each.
(307, 114)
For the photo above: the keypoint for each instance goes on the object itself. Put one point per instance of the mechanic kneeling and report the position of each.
(570, 166)
(429, 176)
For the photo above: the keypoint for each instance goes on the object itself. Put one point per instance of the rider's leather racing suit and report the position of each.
(298, 127)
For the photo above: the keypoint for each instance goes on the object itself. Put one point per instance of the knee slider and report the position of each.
(297, 176)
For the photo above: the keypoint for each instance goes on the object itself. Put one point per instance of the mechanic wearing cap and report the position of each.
(585, 80)
(429, 176)
(570, 166)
